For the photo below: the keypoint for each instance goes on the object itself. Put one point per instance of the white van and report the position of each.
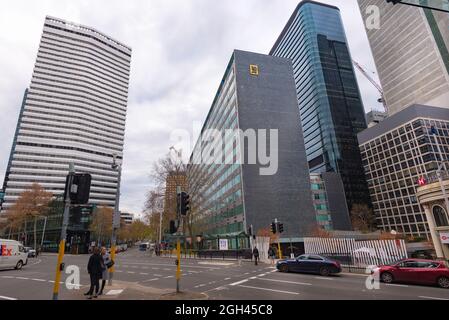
(12, 255)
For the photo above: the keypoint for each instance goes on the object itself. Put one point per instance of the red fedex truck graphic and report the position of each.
(12, 255)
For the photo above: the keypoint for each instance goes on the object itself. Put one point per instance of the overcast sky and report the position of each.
(180, 51)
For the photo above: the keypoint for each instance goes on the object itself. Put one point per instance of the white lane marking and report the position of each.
(22, 278)
(151, 280)
(114, 292)
(253, 278)
(7, 298)
(433, 298)
(262, 275)
(291, 282)
(324, 278)
(7, 277)
(144, 274)
(246, 273)
(397, 285)
(39, 280)
(155, 268)
(169, 277)
(166, 269)
(131, 272)
(158, 275)
(272, 290)
(118, 271)
(228, 279)
(238, 283)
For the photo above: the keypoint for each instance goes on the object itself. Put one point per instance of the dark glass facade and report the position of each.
(331, 108)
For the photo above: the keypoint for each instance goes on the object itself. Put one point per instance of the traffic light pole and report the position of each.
(279, 239)
(65, 223)
(115, 219)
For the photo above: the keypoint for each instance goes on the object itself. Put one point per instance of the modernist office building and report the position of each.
(74, 111)
(331, 108)
(411, 52)
(257, 93)
(396, 154)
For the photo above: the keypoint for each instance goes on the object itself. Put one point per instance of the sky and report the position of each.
(180, 51)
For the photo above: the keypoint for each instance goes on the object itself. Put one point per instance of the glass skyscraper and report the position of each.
(331, 109)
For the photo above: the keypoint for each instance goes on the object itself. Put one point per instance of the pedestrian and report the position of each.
(272, 255)
(95, 268)
(256, 255)
(108, 263)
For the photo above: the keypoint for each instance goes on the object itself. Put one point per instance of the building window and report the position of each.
(439, 214)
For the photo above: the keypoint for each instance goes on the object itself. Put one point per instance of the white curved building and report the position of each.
(73, 111)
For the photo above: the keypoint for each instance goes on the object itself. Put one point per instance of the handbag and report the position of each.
(110, 264)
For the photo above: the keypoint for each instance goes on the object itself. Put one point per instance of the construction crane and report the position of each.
(373, 82)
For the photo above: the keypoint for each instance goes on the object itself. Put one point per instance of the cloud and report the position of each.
(180, 52)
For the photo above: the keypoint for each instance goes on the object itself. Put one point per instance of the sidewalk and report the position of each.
(132, 291)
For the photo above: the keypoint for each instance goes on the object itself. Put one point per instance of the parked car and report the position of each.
(31, 252)
(310, 264)
(415, 271)
(12, 255)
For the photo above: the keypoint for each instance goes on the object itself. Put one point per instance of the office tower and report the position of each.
(73, 111)
(397, 154)
(374, 117)
(257, 94)
(411, 52)
(329, 201)
(126, 218)
(330, 105)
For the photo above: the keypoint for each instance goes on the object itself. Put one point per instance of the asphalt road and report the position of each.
(220, 280)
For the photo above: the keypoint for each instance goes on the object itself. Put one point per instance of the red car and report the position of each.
(415, 271)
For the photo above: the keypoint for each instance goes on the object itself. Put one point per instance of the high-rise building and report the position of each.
(331, 109)
(73, 112)
(235, 194)
(411, 52)
(397, 154)
(126, 218)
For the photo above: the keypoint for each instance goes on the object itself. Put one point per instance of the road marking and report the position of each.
(433, 298)
(131, 272)
(7, 277)
(397, 285)
(228, 279)
(166, 269)
(22, 278)
(169, 277)
(262, 275)
(291, 282)
(118, 271)
(272, 290)
(144, 274)
(151, 280)
(323, 278)
(155, 268)
(114, 292)
(40, 280)
(7, 298)
(238, 283)
(158, 275)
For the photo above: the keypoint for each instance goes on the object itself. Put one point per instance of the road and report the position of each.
(220, 280)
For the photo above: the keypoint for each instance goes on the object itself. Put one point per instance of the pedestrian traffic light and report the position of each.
(273, 228)
(173, 227)
(185, 203)
(281, 228)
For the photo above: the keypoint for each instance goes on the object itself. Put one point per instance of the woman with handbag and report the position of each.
(108, 263)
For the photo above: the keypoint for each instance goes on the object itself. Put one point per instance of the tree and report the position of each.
(101, 224)
(363, 218)
(31, 204)
(318, 232)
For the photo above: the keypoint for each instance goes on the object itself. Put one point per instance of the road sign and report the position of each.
(444, 237)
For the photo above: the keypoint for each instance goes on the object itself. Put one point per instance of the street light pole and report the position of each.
(116, 216)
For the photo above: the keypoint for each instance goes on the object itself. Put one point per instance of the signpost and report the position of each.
(444, 237)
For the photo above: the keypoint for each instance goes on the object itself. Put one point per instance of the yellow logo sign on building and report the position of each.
(254, 70)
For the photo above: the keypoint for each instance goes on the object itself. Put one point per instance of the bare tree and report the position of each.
(101, 224)
(362, 218)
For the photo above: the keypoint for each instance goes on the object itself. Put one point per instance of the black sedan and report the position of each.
(310, 264)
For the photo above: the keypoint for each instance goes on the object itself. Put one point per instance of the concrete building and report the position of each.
(73, 111)
(330, 105)
(375, 117)
(127, 218)
(235, 190)
(433, 200)
(411, 52)
(397, 154)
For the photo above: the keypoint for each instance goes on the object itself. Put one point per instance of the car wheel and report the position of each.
(387, 277)
(325, 271)
(284, 268)
(443, 282)
(19, 265)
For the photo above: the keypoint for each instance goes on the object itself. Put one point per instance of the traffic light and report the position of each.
(79, 189)
(281, 228)
(185, 203)
(173, 227)
(273, 228)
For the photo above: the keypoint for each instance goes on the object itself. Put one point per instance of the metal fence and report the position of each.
(357, 254)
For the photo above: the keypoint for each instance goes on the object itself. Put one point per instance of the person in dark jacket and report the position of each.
(95, 268)
(256, 255)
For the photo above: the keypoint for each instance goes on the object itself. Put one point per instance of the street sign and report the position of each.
(444, 237)
(224, 245)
